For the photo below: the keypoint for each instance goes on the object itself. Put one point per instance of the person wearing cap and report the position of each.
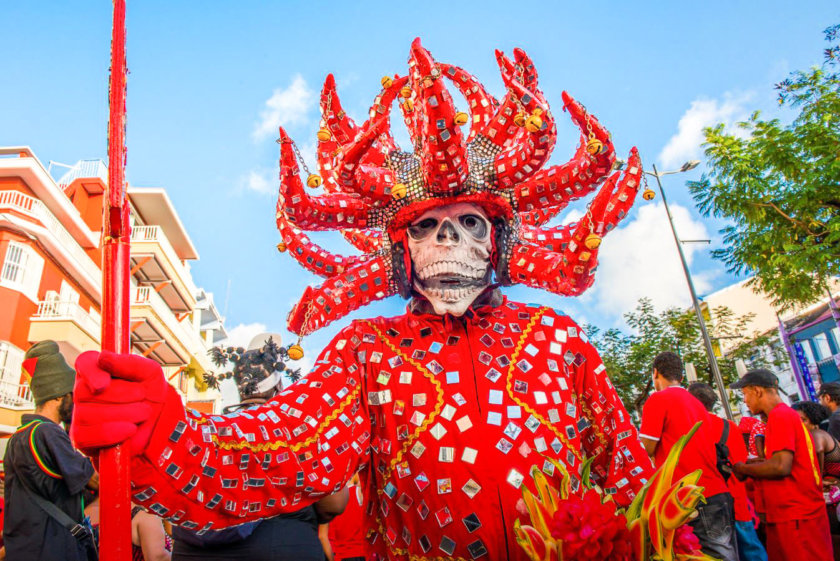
(43, 468)
(669, 414)
(797, 526)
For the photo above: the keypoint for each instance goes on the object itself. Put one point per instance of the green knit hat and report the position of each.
(52, 377)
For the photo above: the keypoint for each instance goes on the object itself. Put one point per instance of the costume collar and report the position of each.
(483, 304)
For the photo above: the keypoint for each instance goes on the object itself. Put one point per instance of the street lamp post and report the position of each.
(696, 303)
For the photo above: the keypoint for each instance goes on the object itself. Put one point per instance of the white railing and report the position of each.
(189, 338)
(15, 395)
(84, 169)
(32, 207)
(155, 234)
(59, 310)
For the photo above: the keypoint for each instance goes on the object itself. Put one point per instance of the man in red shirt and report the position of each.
(750, 547)
(797, 527)
(669, 414)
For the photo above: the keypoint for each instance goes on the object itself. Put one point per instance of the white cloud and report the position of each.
(240, 335)
(685, 144)
(286, 107)
(258, 181)
(641, 260)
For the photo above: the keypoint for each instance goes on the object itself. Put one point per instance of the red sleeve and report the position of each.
(213, 470)
(735, 443)
(653, 418)
(621, 464)
(780, 433)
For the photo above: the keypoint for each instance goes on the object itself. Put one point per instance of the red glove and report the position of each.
(117, 398)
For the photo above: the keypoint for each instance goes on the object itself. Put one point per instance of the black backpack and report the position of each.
(724, 465)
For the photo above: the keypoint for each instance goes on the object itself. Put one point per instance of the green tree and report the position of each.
(779, 187)
(628, 356)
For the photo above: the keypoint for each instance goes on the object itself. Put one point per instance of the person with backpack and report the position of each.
(731, 448)
(668, 415)
(45, 476)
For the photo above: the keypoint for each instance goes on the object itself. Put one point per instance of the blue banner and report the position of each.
(805, 370)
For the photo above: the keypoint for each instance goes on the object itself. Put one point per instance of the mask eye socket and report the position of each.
(474, 224)
(423, 228)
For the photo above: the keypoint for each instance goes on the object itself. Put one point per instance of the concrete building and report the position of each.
(811, 327)
(50, 278)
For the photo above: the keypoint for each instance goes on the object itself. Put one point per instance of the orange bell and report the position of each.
(314, 180)
(648, 194)
(324, 135)
(386, 82)
(461, 118)
(519, 120)
(281, 247)
(295, 352)
(592, 241)
(398, 191)
(405, 91)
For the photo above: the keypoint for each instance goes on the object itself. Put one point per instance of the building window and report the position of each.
(22, 268)
(820, 341)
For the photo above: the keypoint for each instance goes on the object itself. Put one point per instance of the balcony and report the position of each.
(33, 216)
(156, 331)
(154, 261)
(15, 396)
(73, 327)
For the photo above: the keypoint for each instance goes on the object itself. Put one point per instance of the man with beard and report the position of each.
(45, 476)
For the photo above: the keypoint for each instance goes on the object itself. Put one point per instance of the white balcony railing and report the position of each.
(156, 234)
(16, 396)
(32, 207)
(184, 331)
(58, 310)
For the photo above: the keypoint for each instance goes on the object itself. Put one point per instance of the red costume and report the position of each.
(444, 413)
(454, 414)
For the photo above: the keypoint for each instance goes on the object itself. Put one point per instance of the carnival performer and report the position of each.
(442, 410)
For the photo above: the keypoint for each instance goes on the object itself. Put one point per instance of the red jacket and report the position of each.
(444, 416)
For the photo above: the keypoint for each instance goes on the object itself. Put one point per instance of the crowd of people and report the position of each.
(770, 483)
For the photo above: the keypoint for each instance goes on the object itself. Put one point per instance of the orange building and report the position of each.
(50, 278)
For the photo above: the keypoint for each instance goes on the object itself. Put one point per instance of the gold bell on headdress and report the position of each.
(387, 81)
(314, 180)
(533, 123)
(405, 91)
(295, 352)
(519, 120)
(592, 241)
(324, 135)
(408, 106)
(398, 190)
(648, 194)
(594, 146)
(281, 247)
(461, 118)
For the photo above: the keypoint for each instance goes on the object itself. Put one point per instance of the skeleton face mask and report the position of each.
(450, 254)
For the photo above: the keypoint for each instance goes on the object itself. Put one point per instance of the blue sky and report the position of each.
(210, 81)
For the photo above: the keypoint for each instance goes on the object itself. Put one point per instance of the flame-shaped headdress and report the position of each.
(372, 189)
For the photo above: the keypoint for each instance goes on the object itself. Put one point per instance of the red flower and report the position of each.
(685, 542)
(591, 529)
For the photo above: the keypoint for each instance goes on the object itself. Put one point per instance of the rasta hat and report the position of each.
(760, 377)
(371, 188)
(51, 376)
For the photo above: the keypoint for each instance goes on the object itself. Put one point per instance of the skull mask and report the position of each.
(450, 255)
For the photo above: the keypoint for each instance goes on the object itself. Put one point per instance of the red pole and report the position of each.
(115, 503)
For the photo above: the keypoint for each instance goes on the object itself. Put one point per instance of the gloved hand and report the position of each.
(117, 397)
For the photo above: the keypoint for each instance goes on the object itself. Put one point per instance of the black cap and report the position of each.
(760, 377)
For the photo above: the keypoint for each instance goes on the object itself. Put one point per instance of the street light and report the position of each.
(690, 165)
